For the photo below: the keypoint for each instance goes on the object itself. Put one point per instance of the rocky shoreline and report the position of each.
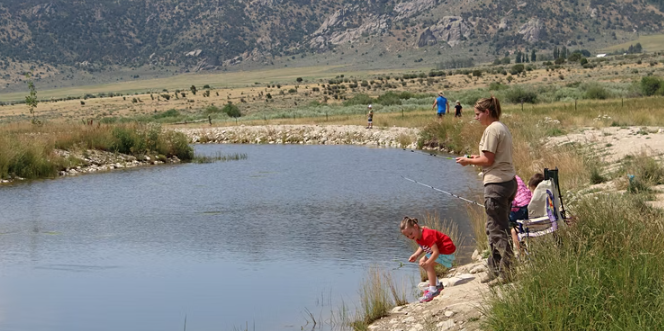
(394, 137)
(97, 161)
(458, 307)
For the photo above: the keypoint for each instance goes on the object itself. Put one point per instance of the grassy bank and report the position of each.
(29, 151)
(605, 271)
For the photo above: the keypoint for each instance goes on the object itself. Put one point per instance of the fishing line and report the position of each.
(441, 191)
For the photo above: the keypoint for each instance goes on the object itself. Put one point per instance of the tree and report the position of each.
(299, 79)
(193, 89)
(231, 110)
(638, 48)
(31, 99)
(556, 53)
(518, 57)
(533, 56)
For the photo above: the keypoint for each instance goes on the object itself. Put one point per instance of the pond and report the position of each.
(259, 243)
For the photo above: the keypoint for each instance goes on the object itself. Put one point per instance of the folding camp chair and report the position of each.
(545, 210)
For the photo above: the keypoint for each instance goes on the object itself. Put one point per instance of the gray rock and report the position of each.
(532, 30)
(450, 29)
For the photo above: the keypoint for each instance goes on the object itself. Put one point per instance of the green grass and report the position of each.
(604, 275)
(378, 294)
(28, 151)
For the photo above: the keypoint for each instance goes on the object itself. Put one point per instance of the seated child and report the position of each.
(520, 204)
(438, 247)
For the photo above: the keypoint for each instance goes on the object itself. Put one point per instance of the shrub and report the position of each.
(389, 99)
(211, 109)
(359, 99)
(517, 69)
(168, 113)
(126, 141)
(231, 110)
(497, 86)
(517, 95)
(596, 91)
(650, 85)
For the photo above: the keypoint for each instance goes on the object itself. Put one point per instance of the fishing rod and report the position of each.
(441, 191)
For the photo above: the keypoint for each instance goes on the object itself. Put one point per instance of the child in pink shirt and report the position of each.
(520, 204)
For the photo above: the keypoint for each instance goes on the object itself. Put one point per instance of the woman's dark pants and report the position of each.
(497, 204)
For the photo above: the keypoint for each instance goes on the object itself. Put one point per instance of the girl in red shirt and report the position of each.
(438, 247)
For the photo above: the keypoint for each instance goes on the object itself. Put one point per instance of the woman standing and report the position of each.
(495, 158)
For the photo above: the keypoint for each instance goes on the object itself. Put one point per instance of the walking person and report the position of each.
(370, 118)
(500, 187)
(457, 108)
(442, 104)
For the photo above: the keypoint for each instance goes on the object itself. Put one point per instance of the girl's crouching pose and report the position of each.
(438, 247)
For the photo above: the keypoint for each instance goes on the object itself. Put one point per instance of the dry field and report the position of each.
(248, 90)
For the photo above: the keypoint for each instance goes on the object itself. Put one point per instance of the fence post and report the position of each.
(522, 105)
(401, 112)
(574, 104)
(326, 116)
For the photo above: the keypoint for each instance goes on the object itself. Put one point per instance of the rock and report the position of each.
(450, 29)
(531, 30)
(478, 269)
(504, 24)
(476, 255)
(446, 325)
(411, 8)
(449, 313)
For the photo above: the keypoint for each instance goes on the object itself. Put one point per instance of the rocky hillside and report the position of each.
(209, 34)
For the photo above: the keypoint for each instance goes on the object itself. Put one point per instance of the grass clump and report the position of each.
(604, 275)
(219, 157)
(378, 294)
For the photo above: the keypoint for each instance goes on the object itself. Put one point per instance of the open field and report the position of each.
(250, 91)
(650, 43)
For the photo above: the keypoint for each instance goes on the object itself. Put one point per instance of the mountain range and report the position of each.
(215, 34)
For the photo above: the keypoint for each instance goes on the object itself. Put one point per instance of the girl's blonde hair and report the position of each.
(408, 222)
(491, 104)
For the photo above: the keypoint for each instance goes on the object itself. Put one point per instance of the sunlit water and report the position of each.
(260, 242)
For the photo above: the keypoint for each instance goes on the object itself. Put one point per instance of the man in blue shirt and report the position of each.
(442, 104)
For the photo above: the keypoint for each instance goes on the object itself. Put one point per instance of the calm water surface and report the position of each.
(255, 242)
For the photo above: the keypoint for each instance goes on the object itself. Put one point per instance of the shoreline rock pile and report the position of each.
(394, 137)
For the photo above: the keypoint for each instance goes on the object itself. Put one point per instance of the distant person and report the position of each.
(458, 108)
(370, 118)
(500, 186)
(442, 104)
(438, 247)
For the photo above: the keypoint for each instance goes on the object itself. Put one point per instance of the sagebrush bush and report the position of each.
(518, 94)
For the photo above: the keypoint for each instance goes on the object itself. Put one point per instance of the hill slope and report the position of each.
(205, 34)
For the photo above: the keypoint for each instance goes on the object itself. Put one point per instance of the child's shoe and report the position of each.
(439, 286)
(428, 295)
